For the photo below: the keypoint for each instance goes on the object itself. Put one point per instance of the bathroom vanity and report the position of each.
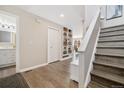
(7, 57)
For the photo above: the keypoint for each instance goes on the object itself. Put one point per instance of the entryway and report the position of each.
(9, 45)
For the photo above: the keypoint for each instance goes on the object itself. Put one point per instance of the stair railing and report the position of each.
(87, 50)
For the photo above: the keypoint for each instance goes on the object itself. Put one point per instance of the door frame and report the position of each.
(50, 27)
(17, 39)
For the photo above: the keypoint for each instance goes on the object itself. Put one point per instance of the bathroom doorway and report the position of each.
(9, 44)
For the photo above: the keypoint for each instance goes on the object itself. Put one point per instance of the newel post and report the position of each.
(81, 69)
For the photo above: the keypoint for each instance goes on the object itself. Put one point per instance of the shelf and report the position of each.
(67, 42)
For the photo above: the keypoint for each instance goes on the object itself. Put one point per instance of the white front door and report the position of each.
(53, 45)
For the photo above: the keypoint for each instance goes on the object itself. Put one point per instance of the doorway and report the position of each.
(53, 44)
(9, 43)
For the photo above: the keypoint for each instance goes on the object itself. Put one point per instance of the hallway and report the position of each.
(54, 75)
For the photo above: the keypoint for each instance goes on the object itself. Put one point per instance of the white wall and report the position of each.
(78, 30)
(112, 22)
(7, 19)
(90, 12)
(78, 27)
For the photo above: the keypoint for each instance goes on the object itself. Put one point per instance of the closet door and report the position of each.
(53, 45)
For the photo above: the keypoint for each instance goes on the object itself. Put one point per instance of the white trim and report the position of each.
(33, 67)
(88, 77)
(62, 59)
(81, 70)
(18, 61)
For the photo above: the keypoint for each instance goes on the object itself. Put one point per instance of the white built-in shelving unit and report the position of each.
(67, 43)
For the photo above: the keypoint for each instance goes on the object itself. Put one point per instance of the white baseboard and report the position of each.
(62, 59)
(31, 68)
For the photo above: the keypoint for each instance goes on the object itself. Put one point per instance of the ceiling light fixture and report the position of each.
(61, 15)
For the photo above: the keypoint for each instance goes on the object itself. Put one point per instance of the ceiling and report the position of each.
(6, 19)
(73, 14)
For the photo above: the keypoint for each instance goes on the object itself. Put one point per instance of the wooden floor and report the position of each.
(54, 75)
(7, 71)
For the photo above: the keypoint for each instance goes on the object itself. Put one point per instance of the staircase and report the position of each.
(108, 67)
